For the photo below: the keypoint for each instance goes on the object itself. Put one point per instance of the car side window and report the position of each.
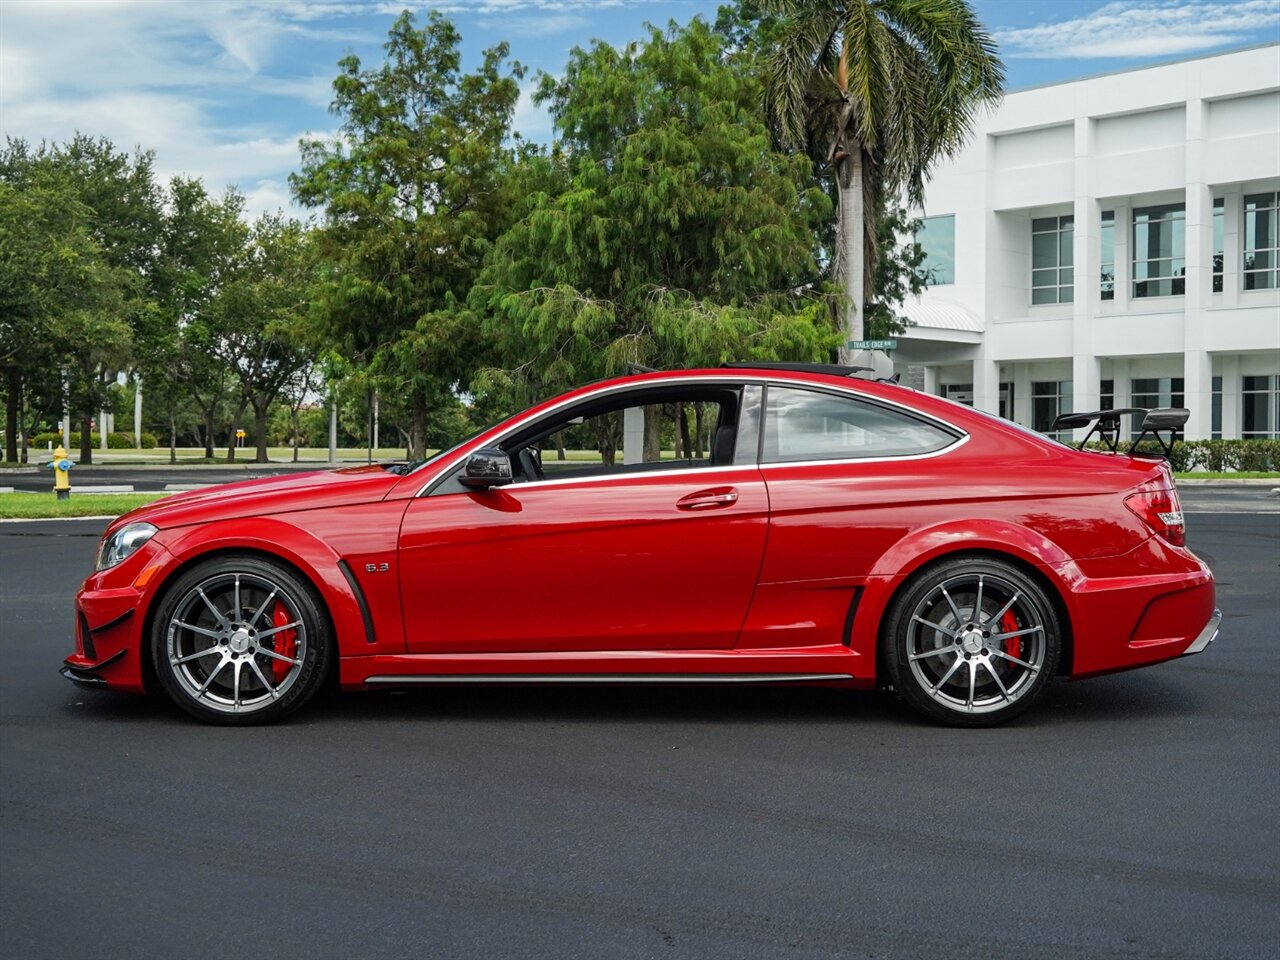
(812, 425)
(674, 433)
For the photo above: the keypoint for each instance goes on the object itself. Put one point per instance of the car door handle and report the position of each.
(708, 499)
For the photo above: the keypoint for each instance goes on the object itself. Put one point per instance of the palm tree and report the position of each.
(878, 90)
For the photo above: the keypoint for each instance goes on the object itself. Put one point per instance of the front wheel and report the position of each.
(240, 640)
(972, 642)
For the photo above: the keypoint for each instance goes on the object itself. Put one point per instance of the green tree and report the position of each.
(878, 90)
(412, 191)
(119, 193)
(66, 294)
(899, 271)
(258, 320)
(200, 240)
(667, 230)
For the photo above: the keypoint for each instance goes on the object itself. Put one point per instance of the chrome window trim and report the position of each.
(730, 376)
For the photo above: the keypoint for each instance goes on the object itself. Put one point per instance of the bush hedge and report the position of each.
(1216, 456)
(115, 441)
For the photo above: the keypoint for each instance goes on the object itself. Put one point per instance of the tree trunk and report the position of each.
(686, 446)
(652, 433)
(293, 417)
(849, 226)
(560, 451)
(173, 433)
(606, 439)
(86, 440)
(231, 430)
(260, 431)
(208, 433)
(11, 415)
(418, 428)
(697, 429)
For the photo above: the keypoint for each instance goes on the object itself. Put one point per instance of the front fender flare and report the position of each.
(313, 558)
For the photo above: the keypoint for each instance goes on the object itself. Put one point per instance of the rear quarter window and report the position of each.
(812, 425)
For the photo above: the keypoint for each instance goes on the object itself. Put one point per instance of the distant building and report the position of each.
(1112, 242)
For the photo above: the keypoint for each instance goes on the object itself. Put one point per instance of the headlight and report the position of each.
(122, 544)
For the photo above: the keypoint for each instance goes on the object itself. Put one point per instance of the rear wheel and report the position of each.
(240, 640)
(972, 641)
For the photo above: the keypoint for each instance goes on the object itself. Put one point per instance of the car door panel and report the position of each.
(643, 561)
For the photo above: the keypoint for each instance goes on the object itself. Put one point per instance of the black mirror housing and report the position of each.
(487, 467)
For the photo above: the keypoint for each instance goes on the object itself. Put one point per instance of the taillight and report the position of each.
(1160, 510)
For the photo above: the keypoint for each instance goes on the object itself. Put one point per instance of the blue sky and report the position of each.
(223, 89)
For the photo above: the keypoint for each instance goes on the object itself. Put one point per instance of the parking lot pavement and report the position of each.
(1216, 498)
(1127, 816)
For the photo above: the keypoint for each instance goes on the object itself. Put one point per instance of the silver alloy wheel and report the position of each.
(976, 643)
(227, 635)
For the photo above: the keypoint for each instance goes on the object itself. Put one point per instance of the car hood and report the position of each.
(279, 494)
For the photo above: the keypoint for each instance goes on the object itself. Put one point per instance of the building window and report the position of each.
(959, 392)
(1261, 241)
(1159, 251)
(1107, 248)
(1049, 399)
(1052, 278)
(1215, 423)
(937, 238)
(1107, 395)
(1219, 244)
(1152, 392)
(1260, 403)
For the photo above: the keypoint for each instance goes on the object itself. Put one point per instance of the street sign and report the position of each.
(872, 344)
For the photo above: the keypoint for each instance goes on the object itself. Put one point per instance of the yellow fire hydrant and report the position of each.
(61, 467)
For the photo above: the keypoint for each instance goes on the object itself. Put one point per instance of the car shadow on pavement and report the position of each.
(1145, 696)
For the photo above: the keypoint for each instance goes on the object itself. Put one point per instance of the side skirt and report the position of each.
(835, 664)
(589, 678)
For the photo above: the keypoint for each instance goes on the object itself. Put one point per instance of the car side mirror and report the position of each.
(487, 467)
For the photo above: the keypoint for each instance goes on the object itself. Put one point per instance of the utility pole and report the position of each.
(137, 411)
(66, 411)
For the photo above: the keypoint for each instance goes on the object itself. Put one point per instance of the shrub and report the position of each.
(115, 441)
(1215, 456)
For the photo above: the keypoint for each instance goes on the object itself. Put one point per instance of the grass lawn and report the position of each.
(244, 455)
(34, 506)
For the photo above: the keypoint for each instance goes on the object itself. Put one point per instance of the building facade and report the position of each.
(1112, 242)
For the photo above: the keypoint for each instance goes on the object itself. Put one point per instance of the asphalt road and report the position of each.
(1127, 816)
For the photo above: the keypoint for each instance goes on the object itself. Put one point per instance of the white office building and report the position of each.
(1112, 242)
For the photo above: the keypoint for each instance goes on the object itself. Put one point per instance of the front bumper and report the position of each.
(86, 677)
(1207, 635)
(109, 623)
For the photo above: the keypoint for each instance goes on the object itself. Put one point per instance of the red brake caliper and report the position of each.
(1008, 624)
(286, 642)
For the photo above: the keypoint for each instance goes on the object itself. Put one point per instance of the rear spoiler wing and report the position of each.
(1106, 425)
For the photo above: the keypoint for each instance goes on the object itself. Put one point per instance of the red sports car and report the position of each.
(764, 524)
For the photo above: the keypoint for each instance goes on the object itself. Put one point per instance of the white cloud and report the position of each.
(542, 23)
(1146, 28)
(169, 77)
(530, 120)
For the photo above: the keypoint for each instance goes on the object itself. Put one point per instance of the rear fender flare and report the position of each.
(922, 547)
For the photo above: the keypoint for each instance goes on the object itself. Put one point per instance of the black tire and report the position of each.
(263, 623)
(971, 642)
